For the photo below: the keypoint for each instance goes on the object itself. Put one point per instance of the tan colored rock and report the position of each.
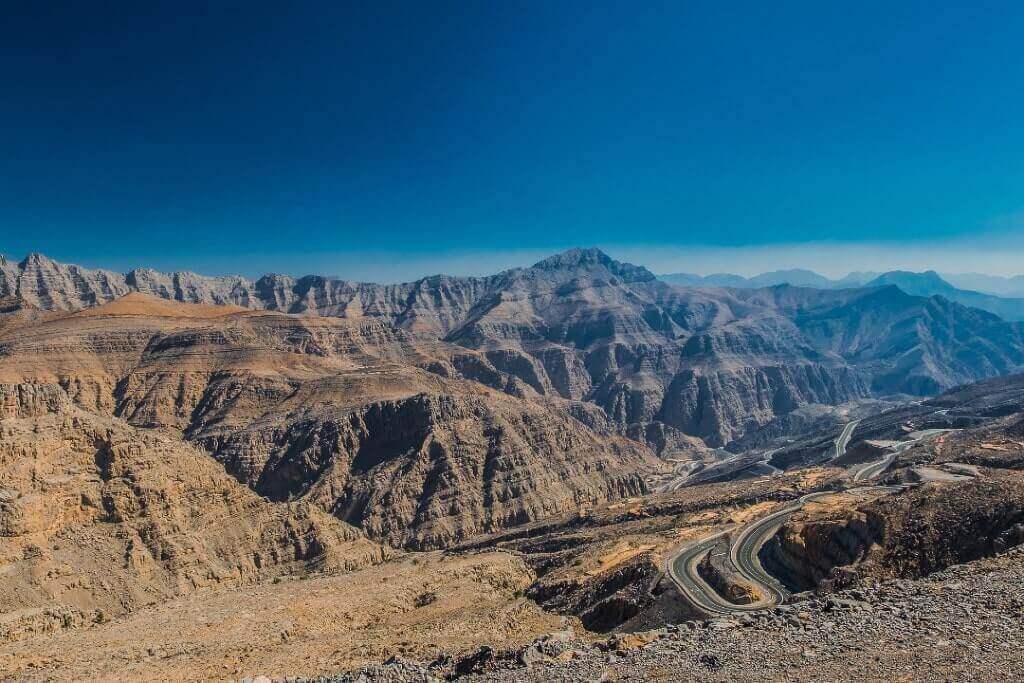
(98, 518)
(296, 627)
(377, 427)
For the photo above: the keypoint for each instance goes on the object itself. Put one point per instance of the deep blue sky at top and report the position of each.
(320, 135)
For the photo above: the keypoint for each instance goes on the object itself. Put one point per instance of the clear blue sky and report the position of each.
(342, 137)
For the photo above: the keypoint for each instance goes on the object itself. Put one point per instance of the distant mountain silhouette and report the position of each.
(929, 283)
(987, 284)
(797, 277)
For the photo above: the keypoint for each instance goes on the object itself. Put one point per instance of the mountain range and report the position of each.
(988, 284)
(176, 448)
(798, 277)
(654, 359)
(1007, 303)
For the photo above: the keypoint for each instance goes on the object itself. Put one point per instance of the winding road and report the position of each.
(682, 569)
(843, 440)
(744, 550)
(745, 545)
(870, 470)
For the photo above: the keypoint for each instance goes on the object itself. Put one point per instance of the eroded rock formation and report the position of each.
(910, 535)
(98, 517)
(583, 327)
(399, 435)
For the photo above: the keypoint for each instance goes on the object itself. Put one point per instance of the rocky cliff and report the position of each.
(717, 569)
(431, 470)
(98, 517)
(908, 535)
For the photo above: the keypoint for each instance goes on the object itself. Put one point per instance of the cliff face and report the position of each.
(908, 535)
(98, 515)
(583, 327)
(431, 470)
(432, 305)
(56, 286)
(401, 436)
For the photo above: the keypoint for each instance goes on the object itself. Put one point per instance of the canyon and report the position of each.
(537, 444)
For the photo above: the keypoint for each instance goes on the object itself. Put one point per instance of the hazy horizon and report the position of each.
(389, 267)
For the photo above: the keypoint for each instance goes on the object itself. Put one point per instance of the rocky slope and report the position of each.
(98, 518)
(970, 504)
(418, 605)
(357, 417)
(430, 470)
(960, 624)
(580, 326)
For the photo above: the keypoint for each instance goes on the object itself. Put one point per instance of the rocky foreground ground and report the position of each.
(963, 623)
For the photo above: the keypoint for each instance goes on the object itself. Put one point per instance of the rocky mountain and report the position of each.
(1002, 296)
(432, 305)
(654, 358)
(931, 283)
(150, 448)
(403, 437)
(717, 363)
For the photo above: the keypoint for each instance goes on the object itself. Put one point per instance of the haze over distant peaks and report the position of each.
(798, 277)
(928, 283)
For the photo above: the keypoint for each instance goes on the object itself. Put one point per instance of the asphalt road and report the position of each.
(870, 470)
(745, 545)
(743, 552)
(682, 569)
(745, 548)
(686, 474)
(843, 440)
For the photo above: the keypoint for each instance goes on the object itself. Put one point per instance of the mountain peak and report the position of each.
(36, 259)
(590, 259)
(574, 258)
(918, 284)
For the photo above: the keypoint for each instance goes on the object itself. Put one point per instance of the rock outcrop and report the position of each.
(717, 569)
(909, 535)
(432, 470)
(98, 517)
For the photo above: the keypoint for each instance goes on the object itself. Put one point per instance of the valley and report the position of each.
(548, 467)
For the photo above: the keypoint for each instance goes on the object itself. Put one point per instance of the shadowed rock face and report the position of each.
(908, 535)
(580, 326)
(719, 572)
(429, 470)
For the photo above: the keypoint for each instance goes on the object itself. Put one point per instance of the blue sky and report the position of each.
(391, 140)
